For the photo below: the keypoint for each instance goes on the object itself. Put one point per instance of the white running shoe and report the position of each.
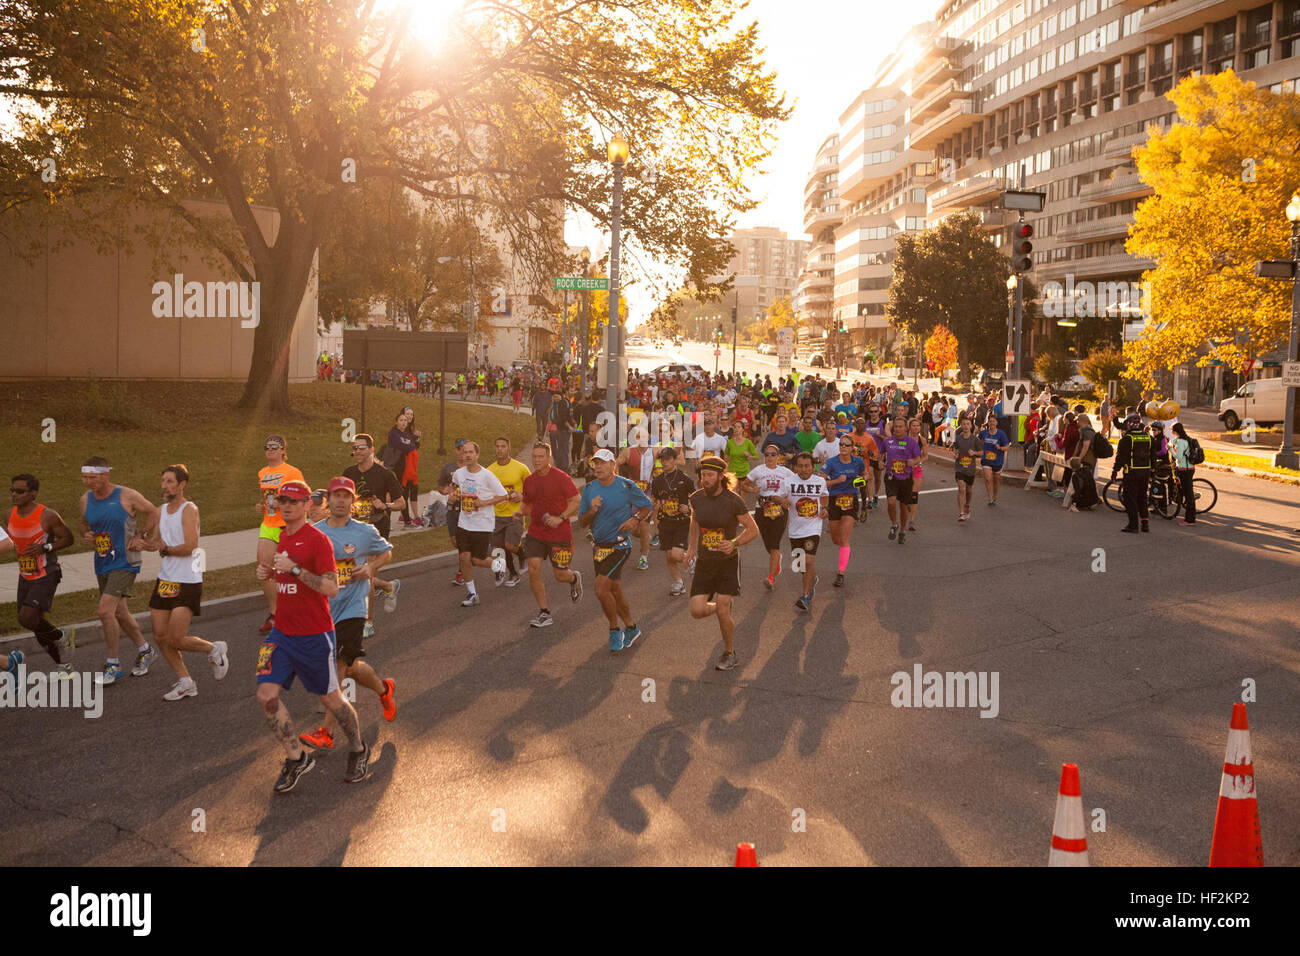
(471, 601)
(182, 688)
(219, 660)
(390, 599)
(142, 662)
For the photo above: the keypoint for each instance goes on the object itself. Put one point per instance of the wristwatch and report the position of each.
(162, 552)
(296, 571)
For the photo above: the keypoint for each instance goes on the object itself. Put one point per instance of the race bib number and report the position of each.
(361, 509)
(966, 461)
(898, 467)
(844, 502)
(168, 589)
(27, 564)
(600, 554)
(670, 508)
(712, 538)
(806, 507)
(560, 557)
(469, 505)
(103, 544)
(772, 510)
(264, 658)
(990, 455)
(643, 485)
(345, 569)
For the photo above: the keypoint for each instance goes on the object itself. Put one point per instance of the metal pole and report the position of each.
(442, 409)
(735, 325)
(1286, 456)
(1020, 299)
(611, 333)
(365, 374)
(582, 345)
(473, 303)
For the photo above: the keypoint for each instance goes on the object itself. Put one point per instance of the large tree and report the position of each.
(292, 104)
(953, 275)
(1222, 176)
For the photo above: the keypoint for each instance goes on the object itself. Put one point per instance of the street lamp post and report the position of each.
(582, 322)
(1286, 456)
(618, 154)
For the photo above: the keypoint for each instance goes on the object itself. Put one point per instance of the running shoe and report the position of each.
(513, 581)
(319, 739)
(643, 564)
(992, 503)
(219, 659)
(142, 662)
(390, 599)
(1127, 530)
(112, 674)
(499, 569)
(778, 565)
(654, 542)
(875, 501)
(386, 701)
(64, 671)
(368, 630)
(358, 764)
(1146, 528)
(812, 592)
(458, 581)
(839, 580)
(293, 769)
(770, 583)
(961, 516)
(471, 601)
(575, 586)
(678, 589)
(727, 662)
(267, 625)
(499, 577)
(911, 526)
(803, 602)
(182, 688)
(615, 639)
(543, 619)
(902, 536)
(893, 532)
(15, 658)
(630, 636)
(1185, 523)
(67, 638)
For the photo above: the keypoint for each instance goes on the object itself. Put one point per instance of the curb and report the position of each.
(92, 632)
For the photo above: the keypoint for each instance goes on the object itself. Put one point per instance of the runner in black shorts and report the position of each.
(38, 534)
(551, 499)
(902, 453)
(771, 516)
(806, 498)
(671, 492)
(717, 513)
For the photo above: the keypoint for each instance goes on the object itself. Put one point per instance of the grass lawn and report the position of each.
(141, 427)
(75, 606)
(1216, 457)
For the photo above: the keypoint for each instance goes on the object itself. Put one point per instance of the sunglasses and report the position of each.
(18, 491)
(361, 448)
(273, 447)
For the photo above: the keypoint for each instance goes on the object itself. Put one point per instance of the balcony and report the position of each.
(1127, 185)
(973, 192)
(1189, 61)
(996, 218)
(860, 180)
(941, 69)
(1067, 103)
(1161, 69)
(1031, 115)
(1088, 97)
(1109, 87)
(1114, 265)
(816, 220)
(957, 118)
(1289, 25)
(1224, 46)
(1123, 145)
(935, 101)
(1135, 78)
(1110, 227)
(1184, 16)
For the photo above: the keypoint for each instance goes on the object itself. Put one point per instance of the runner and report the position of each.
(109, 522)
(828, 447)
(914, 431)
(302, 642)
(902, 454)
(359, 552)
(378, 495)
(806, 496)
(277, 470)
(637, 463)
(476, 489)
(877, 428)
(741, 453)
(178, 592)
(445, 486)
(842, 473)
(509, 529)
(771, 515)
(869, 451)
(967, 451)
(551, 500)
(717, 513)
(782, 439)
(613, 507)
(38, 534)
(671, 492)
(995, 443)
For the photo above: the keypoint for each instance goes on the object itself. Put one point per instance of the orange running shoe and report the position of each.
(386, 701)
(320, 739)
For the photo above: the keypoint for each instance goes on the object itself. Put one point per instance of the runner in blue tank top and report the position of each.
(110, 517)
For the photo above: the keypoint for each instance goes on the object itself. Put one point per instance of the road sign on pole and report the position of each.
(1291, 374)
(784, 347)
(581, 284)
(1015, 397)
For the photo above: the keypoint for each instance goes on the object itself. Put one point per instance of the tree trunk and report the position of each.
(963, 360)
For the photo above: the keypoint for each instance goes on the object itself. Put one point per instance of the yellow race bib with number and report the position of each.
(844, 502)
(712, 538)
(345, 569)
(898, 467)
(361, 509)
(966, 461)
(772, 510)
(600, 554)
(806, 507)
(168, 589)
(103, 544)
(990, 455)
(26, 564)
(560, 557)
(468, 505)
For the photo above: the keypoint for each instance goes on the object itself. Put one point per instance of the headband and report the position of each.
(95, 469)
(714, 464)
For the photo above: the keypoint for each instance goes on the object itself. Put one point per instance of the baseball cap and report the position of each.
(319, 495)
(603, 454)
(297, 490)
(344, 484)
(668, 453)
(460, 441)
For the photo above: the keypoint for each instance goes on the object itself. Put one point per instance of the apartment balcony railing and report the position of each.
(1109, 86)
(1123, 145)
(1189, 61)
(1088, 96)
(1289, 25)
(1124, 186)
(1067, 102)
(1116, 264)
(1224, 46)
(1107, 228)
(1135, 78)
(1162, 68)
(1031, 115)
(1259, 35)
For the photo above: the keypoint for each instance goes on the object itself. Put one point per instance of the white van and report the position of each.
(1263, 400)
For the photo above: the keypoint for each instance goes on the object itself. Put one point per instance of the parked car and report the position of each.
(817, 360)
(679, 370)
(766, 349)
(988, 379)
(1263, 401)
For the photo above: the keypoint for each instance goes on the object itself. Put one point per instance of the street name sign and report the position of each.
(581, 284)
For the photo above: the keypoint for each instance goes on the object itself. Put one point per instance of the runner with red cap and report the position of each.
(277, 470)
(301, 644)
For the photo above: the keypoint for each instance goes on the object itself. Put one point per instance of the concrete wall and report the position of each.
(76, 311)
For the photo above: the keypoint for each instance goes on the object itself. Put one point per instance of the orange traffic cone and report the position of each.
(745, 855)
(1069, 838)
(1236, 840)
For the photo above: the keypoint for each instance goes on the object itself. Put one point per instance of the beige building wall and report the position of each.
(82, 312)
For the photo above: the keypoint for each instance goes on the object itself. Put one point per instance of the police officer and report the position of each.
(1134, 454)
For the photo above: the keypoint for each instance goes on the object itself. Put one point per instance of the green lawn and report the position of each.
(141, 427)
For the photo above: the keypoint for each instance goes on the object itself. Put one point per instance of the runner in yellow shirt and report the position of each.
(509, 530)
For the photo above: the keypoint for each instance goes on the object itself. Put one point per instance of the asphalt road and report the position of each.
(545, 735)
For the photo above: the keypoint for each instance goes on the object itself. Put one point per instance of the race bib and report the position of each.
(344, 570)
(806, 507)
(361, 509)
(772, 510)
(103, 544)
(898, 467)
(264, 658)
(600, 554)
(670, 508)
(844, 502)
(469, 505)
(27, 564)
(990, 455)
(712, 538)
(643, 485)
(560, 557)
(966, 461)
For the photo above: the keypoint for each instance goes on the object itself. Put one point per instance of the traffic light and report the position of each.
(718, 333)
(1021, 247)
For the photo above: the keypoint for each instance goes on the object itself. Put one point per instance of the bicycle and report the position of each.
(1164, 495)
